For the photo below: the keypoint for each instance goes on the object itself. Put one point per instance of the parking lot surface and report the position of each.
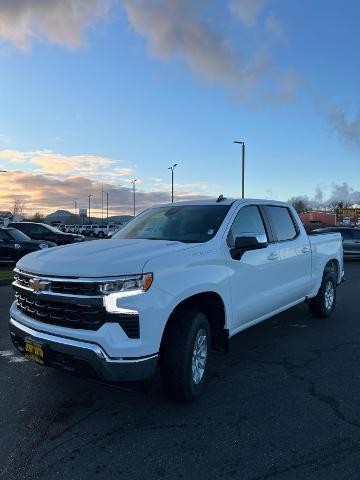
(284, 404)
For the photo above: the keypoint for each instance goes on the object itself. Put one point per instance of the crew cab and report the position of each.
(177, 281)
(15, 244)
(41, 231)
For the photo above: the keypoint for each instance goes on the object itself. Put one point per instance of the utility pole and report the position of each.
(89, 197)
(107, 208)
(102, 204)
(243, 167)
(172, 181)
(133, 184)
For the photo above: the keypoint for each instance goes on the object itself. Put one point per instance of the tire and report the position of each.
(183, 375)
(101, 235)
(323, 305)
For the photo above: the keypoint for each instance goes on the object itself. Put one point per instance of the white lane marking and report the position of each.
(12, 356)
(6, 353)
(16, 359)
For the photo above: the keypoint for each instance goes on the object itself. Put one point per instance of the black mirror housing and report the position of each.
(246, 243)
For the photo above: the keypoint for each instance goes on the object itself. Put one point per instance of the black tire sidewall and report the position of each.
(176, 368)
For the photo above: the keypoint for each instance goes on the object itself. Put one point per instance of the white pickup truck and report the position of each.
(175, 282)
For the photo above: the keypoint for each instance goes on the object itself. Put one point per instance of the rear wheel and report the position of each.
(323, 305)
(185, 356)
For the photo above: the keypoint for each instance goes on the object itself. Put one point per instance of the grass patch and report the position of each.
(7, 276)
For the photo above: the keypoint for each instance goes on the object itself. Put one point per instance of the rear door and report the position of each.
(293, 273)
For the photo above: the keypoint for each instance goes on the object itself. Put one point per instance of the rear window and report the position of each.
(282, 223)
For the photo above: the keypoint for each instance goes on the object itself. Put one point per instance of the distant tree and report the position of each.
(334, 205)
(301, 204)
(18, 208)
(38, 217)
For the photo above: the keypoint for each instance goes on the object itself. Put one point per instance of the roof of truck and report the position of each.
(224, 201)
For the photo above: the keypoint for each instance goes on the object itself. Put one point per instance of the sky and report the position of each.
(96, 93)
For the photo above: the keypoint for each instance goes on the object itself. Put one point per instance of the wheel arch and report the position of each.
(333, 266)
(213, 306)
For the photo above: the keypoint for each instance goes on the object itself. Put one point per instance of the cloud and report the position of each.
(175, 27)
(49, 162)
(346, 128)
(325, 197)
(61, 22)
(47, 193)
(275, 26)
(179, 29)
(247, 11)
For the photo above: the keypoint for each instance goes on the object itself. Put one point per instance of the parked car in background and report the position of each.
(62, 227)
(14, 245)
(85, 230)
(105, 230)
(351, 239)
(41, 231)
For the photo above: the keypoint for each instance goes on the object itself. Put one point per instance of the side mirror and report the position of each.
(247, 243)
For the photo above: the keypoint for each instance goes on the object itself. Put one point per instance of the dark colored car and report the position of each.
(15, 244)
(351, 239)
(41, 231)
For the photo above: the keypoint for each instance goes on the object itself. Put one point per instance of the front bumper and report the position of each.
(83, 358)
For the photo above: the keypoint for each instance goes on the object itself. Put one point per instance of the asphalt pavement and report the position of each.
(284, 404)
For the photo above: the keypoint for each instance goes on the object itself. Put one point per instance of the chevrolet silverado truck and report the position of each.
(177, 281)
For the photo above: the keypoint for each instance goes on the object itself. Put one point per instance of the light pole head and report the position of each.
(239, 142)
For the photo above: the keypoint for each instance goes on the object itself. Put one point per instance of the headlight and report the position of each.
(127, 285)
(43, 245)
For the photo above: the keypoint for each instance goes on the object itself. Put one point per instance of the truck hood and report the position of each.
(100, 258)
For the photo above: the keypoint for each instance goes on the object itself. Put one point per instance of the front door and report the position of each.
(254, 279)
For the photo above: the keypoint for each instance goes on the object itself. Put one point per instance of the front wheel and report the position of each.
(185, 356)
(323, 305)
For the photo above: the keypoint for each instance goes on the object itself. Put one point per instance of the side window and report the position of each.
(247, 221)
(282, 223)
(346, 234)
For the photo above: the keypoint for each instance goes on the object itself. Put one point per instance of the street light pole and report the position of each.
(243, 167)
(172, 181)
(133, 184)
(89, 197)
(107, 208)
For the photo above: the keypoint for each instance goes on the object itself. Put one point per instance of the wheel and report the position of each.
(185, 356)
(324, 303)
(101, 235)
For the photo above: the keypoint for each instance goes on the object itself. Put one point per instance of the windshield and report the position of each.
(188, 223)
(17, 235)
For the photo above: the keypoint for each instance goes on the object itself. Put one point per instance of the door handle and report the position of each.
(273, 256)
(305, 250)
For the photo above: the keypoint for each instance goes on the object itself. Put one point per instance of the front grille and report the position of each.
(74, 315)
(63, 314)
(63, 287)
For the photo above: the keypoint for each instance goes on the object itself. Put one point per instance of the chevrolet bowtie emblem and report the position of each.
(38, 285)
